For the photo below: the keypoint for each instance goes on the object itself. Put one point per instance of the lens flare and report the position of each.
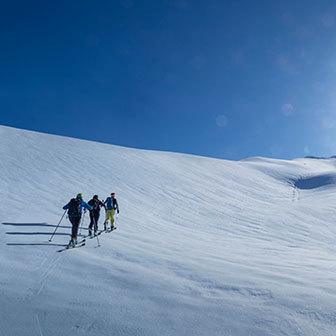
(221, 120)
(287, 109)
(328, 20)
(306, 150)
(328, 123)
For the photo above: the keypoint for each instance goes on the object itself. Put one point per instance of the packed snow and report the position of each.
(203, 246)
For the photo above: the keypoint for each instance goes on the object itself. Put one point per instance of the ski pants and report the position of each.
(75, 224)
(94, 217)
(110, 216)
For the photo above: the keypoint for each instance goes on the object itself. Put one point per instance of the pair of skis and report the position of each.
(70, 246)
(96, 234)
(102, 231)
(82, 242)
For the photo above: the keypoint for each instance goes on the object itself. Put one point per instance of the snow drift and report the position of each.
(203, 246)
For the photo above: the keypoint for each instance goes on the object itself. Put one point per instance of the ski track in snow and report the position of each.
(203, 246)
(296, 194)
(39, 325)
(47, 267)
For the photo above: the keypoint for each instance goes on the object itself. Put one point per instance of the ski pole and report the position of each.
(82, 221)
(98, 241)
(96, 229)
(57, 227)
(116, 219)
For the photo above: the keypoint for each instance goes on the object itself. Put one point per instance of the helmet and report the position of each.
(80, 195)
(95, 197)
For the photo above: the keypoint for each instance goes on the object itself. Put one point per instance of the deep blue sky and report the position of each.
(228, 79)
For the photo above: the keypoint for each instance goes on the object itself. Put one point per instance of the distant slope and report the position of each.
(203, 246)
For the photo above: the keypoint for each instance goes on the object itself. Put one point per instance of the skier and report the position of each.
(111, 207)
(95, 213)
(74, 208)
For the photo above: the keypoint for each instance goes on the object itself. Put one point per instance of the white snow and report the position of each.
(203, 246)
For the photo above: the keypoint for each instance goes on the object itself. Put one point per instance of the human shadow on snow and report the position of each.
(36, 224)
(39, 225)
(34, 244)
(37, 233)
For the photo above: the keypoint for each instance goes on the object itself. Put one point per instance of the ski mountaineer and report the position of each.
(74, 208)
(111, 206)
(95, 213)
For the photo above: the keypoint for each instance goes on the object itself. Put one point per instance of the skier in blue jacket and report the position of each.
(111, 207)
(75, 207)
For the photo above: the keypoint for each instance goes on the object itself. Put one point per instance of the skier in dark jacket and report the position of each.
(95, 213)
(74, 208)
(111, 207)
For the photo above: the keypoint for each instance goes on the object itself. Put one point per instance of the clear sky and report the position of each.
(227, 79)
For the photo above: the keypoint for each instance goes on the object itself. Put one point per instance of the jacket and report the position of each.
(96, 205)
(82, 205)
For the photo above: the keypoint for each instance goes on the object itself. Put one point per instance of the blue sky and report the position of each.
(226, 79)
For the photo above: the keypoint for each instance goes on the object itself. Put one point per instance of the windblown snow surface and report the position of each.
(203, 246)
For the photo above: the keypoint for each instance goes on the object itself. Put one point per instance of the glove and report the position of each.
(118, 212)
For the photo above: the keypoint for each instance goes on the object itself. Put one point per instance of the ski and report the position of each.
(69, 247)
(97, 234)
(110, 230)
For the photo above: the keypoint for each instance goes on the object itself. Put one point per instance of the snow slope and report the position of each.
(203, 246)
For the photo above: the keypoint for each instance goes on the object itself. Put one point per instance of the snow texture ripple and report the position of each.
(203, 246)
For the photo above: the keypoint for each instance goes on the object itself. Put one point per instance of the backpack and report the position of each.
(74, 207)
(109, 203)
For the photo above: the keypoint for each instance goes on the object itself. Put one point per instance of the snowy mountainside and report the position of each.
(203, 246)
